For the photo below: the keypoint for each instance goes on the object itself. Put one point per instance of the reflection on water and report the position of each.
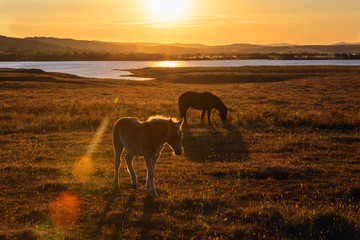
(169, 64)
(119, 69)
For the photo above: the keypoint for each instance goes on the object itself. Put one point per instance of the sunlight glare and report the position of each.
(168, 64)
(84, 167)
(167, 9)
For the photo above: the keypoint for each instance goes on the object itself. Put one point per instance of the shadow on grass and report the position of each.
(102, 221)
(328, 225)
(148, 211)
(215, 145)
(114, 217)
(117, 221)
(275, 225)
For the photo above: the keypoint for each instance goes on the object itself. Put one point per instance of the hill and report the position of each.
(196, 48)
(8, 44)
(39, 48)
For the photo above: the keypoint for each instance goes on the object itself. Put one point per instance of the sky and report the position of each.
(209, 22)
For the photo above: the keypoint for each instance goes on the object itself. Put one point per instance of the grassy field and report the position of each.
(287, 167)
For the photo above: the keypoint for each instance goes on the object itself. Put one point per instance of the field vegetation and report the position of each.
(285, 167)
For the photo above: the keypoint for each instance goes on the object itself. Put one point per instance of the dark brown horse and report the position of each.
(205, 101)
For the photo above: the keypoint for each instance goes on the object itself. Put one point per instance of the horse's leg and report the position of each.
(185, 119)
(155, 158)
(118, 148)
(129, 158)
(202, 116)
(150, 176)
(183, 115)
(208, 115)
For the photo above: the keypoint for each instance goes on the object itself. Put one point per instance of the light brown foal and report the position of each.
(145, 139)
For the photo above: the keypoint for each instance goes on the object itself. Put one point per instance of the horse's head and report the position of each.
(174, 136)
(223, 114)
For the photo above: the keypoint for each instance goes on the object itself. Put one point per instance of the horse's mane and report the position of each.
(160, 118)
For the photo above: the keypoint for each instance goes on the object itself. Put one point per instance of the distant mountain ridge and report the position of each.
(50, 45)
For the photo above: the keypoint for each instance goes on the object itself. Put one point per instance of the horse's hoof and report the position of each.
(153, 194)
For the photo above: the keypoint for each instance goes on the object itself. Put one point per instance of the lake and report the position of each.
(117, 69)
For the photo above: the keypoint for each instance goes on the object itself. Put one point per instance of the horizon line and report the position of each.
(284, 44)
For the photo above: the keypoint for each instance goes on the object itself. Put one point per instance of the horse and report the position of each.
(205, 101)
(145, 139)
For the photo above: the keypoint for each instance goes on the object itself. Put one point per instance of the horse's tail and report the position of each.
(118, 148)
(116, 134)
(183, 104)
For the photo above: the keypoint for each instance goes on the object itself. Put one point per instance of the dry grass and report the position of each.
(287, 167)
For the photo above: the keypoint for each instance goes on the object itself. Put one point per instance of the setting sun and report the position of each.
(166, 9)
(208, 22)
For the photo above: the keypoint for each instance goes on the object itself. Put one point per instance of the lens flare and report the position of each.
(65, 210)
(84, 167)
(96, 139)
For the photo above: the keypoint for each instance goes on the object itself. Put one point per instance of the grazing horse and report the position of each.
(205, 101)
(145, 139)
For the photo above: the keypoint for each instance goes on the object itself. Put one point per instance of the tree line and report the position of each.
(15, 55)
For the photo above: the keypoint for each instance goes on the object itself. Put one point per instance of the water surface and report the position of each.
(117, 69)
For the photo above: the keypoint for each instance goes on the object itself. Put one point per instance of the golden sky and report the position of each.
(211, 22)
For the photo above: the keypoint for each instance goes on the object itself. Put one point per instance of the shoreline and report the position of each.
(242, 74)
(121, 69)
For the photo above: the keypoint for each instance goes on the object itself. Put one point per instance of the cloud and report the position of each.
(189, 21)
(194, 21)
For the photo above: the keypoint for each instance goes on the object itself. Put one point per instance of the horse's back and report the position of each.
(130, 132)
(186, 97)
(127, 122)
(126, 127)
(196, 100)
